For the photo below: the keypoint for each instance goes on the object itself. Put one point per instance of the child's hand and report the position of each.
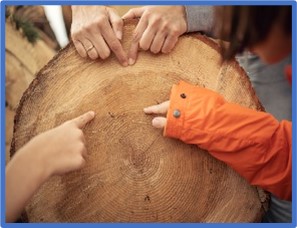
(158, 122)
(56, 151)
(62, 149)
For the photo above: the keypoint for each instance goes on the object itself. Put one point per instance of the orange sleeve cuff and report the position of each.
(174, 124)
(181, 99)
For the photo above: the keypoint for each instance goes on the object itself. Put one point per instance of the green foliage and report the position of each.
(27, 27)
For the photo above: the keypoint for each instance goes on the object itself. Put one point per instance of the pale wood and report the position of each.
(133, 173)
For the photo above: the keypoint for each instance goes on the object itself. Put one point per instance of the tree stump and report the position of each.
(133, 173)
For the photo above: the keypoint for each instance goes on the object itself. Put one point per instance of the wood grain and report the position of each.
(133, 173)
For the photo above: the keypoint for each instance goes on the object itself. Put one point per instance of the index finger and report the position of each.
(83, 119)
(113, 43)
(138, 32)
(157, 109)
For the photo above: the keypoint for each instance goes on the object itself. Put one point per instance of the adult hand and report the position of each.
(157, 30)
(158, 122)
(96, 30)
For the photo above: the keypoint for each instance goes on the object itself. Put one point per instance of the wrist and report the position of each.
(181, 11)
(33, 156)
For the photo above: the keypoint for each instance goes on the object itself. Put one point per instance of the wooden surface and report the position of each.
(133, 173)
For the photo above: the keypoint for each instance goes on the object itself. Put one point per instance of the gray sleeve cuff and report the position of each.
(200, 18)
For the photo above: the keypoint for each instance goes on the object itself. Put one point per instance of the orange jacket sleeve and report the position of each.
(253, 143)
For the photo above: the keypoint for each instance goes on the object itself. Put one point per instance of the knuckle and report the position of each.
(156, 19)
(114, 45)
(105, 54)
(174, 31)
(118, 22)
(85, 29)
(100, 20)
(75, 35)
(163, 28)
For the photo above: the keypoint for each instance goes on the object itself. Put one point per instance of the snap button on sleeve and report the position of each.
(176, 113)
(183, 96)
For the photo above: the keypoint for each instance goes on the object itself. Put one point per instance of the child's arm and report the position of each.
(253, 143)
(56, 151)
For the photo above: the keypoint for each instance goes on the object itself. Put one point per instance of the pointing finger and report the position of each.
(157, 109)
(85, 118)
(117, 24)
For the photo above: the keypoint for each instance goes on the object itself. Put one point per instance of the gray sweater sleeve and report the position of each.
(200, 18)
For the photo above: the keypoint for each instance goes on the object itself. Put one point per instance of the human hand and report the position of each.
(158, 122)
(96, 30)
(57, 151)
(157, 30)
(62, 149)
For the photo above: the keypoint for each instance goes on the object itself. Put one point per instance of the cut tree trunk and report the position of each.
(133, 173)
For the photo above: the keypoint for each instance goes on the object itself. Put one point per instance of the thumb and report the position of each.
(82, 120)
(159, 122)
(134, 13)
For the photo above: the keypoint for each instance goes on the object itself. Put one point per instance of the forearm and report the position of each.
(200, 18)
(253, 143)
(23, 177)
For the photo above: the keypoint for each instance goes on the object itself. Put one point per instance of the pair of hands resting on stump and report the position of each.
(97, 31)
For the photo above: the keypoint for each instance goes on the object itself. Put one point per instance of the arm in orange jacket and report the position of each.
(253, 143)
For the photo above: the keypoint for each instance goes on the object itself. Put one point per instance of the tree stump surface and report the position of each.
(132, 172)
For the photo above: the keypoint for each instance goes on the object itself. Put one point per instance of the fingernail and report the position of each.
(125, 64)
(131, 61)
(145, 109)
(156, 122)
(119, 35)
(92, 113)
